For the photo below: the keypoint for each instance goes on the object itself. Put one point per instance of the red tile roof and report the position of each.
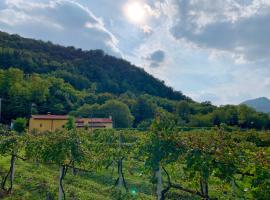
(65, 117)
(50, 117)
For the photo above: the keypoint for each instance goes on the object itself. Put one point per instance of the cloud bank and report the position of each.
(62, 21)
(240, 28)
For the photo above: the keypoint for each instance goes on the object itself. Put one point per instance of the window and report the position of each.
(40, 125)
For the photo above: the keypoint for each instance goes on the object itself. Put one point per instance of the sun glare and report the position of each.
(135, 12)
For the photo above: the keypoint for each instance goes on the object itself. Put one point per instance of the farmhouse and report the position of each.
(42, 123)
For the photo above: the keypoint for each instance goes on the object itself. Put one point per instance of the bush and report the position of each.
(19, 125)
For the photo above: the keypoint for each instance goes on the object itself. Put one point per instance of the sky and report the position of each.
(211, 50)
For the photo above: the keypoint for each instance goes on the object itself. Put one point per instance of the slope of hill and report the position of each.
(80, 68)
(38, 77)
(261, 104)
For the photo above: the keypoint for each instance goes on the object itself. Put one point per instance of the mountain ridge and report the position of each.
(261, 104)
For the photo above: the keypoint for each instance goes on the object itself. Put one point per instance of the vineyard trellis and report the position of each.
(173, 160)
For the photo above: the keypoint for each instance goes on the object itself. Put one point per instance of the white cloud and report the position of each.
(153, 12)
(62, 21)
(226, 25)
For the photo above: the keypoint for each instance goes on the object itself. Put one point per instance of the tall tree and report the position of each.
(122, 117)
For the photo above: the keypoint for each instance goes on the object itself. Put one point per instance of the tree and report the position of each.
(160, 148)
(16, 93)
(218, 117)
(231, 115)
(65, 148)
(183, 110)
(200, 120)
(142, 110)
(70, 125)
(119, 112)
(19, 125)
(102, 98)
(84, 111)
(11, 145)
(39, 88)
(113, 148)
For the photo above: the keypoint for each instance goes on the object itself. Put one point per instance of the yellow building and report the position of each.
(42, 123)
(94, 123)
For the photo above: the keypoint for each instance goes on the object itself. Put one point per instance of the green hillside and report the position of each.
(38, 77)
(80, 68)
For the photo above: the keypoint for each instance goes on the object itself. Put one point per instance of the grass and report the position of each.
(36, 181)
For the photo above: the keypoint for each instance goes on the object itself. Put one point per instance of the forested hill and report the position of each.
(38, 77)
(81, 69)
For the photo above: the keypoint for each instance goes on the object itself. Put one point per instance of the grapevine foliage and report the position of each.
(207, 164)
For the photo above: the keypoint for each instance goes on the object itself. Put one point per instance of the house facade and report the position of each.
(43, 123)
(94, 123)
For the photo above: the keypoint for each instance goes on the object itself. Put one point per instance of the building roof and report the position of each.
(60, 117)
(65, 117)
(94, 120)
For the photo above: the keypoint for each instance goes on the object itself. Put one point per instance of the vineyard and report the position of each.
(160, 163)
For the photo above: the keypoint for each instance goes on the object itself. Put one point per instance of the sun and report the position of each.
(135, 12)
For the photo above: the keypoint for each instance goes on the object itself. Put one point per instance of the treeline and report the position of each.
(206, 165)
(82, 69)
(25, 94)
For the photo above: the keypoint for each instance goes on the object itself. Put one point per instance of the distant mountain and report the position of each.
(261, 104)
